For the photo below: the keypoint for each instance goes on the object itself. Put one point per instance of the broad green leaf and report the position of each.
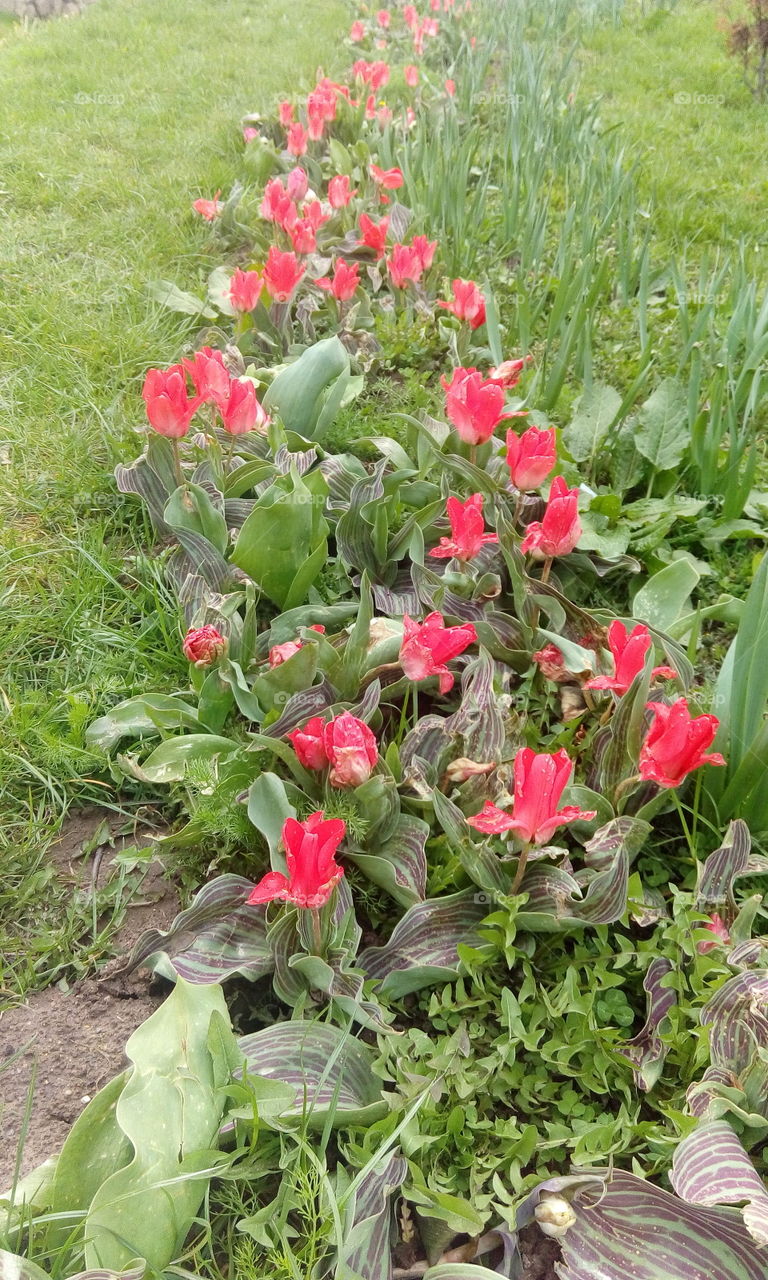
(95, 1148)
(596, 411)
(398, 865)
(175, 299)
(14, 1267)
(367, 1249)
(661, 435)
(169, 761)
(423, 948)
(665, 595)
(189, 507)
(300, 390)
(284, 532)
(268, 808)
(140, 717)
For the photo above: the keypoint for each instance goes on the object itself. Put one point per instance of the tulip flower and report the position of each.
(375, 74)
(374, 234)
(245, 289)
(310, 855)
(467, 530)
(315, 120)
(560, 530)
(508, 373)
(676, 744)
(551, 664)
(539, 782)
(383, 17)
(467, 303)
(357, 32)
(280, 653)
(339, 194)
(403, 265)
(720, 936)
(209, 376)
(241, 411)
(308, 744)
(250, 134)
(167, 403)
(390, 179)
(628, 653)
(297, 183)
(411, 76)
(427, 647)
(531, 456)
(351, 749)
(345, 281)
(303, 237)
(281, 274)
(208, 209)
(473, 405)
(204, 645)
(425, 250)
(277, 206)
(410, 16)
(285, 111)
(314, 214)
(297, 139)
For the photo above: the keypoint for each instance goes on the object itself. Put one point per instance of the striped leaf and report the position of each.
(423, 948)
(398, 865)
(556, 899)
(646, 1051)
(367, 1253)
(479, 719)
(216, 937)
(723, 867)
(328, 1069)
(737, 1020)
(711, 1167)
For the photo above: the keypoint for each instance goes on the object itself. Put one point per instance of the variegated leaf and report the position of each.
(399, 865)
(367, 1252)
(423, 948)
(646, 1051)
(711, 1167)
(723, 867)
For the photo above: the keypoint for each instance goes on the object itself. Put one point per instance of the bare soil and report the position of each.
(70, 1042)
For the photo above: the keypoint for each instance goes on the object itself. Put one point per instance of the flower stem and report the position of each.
(177, 463)
(317, 931)
(546, 569)
(686, 829)
(521, 868)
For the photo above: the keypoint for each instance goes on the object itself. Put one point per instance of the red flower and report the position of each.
(345, 280)
(375, 74)
(531, 456)
(467, 529)
(357, 32)
(404, 264)
(374, 234)
(720, 935)
(286, 114)
(551, 664)
(508, 373)
(209, 376)
(351, 749)
(303, 236)
(208, 209)
(169, 408)
(468, 303)
(282, 652)
(450, 88)
(315, 119)
(411, 76)
(410, 16)
(310, 852)
(427, 646)
(560, 530)
(314, 214)
(676, 744)
(241, 411)
(308, 744)
(390, 179)
(425, 249)
(297, 139)
(339, 194)
(245, 290)
(204, 645)
(383, 17)
(540, 780)
(250, 134)
(297, 183)
(277, 206)
(474, 405)
(628, 652)
(282, 274)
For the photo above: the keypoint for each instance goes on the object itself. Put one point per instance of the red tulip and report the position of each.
(450, 88)
(245, 289)
(303, 237)
(720, 936)
(508, 373)
(411, 76)
(410, 16)
(560, 530)
(297, 139)
(277, 206)
(390, 179)
(628, 653)
(308, 744)
(551, 664)
(310, 853)
(374, 234)
(286, 114)
(473, 405)
(209, 376)
(383, 17)
(204, 645)
(425, 250)
(169, 408)
(208, 209)
(467, 304)
(281, 274)
(241, 411)
(297, 183)
(427, 646)
(351, 749)
(345, 280)
(540, 780)
(403, 265)
(357, 32)
(467, 529)
(531, 456)
(280, 653)
(375, 74)
(315, 120)
(339, 194)
(676, 744)
(314, 214)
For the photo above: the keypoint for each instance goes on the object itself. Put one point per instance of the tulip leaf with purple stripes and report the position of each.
(711, 1167)
(558, 900)
(647, 1051)
(366, 1253)
(399, 865)
(424, 946)
(722, 868)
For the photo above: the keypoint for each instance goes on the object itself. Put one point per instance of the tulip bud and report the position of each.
(461, 769)
(554, 1215)
(204, 645)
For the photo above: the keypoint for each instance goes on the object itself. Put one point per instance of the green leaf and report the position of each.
(661, 434)
(268, 808)
(300, 390)
(283, 540)
(175, 299)
(189, 507)
(169, 761)
(95, 1148)
(665, 595)
(423, 948)
(596, 411)
(399, 865)
(148, 716)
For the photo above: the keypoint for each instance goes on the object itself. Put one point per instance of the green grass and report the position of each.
(112, 124)
(679, 106)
